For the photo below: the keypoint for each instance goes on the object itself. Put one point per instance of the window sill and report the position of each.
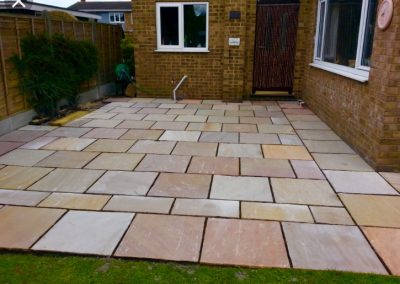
(362, 77)
(183, 50)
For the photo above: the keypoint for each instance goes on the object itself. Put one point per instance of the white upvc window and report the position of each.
(117, 18)
(182, 27)
(344, 37)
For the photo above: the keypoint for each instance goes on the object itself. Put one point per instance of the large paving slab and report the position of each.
(331, 215)
(214, 165)
(164, 163)
(393, 179)
(206, 207)
(250, 243)
(85, 232)
(221, 137)
(21, 227)
(153, 147)
(329, 247)
(188, 136)
(139, 204)
(307, 169)
(19, 197)
(266, 168)
(110, 146)
(287, 152)
(13, 177)
(115, 161)
(139, 134)
(75, 201)
(69, 144)
(68, 132)
(342, 162)
(335, 147)
(152, 236)
(240, 150)
(195, 149)
(105, 133)
(22, 135)
(68, 159)
(9, 146)
(24, 157)
(37, 143)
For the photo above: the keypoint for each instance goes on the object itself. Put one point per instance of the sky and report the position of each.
(61, 3)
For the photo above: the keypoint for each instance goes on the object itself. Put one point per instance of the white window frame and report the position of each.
(360, 72)
(180, 47)
(119, 17)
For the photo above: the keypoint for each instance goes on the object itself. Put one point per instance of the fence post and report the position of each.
(94, 38)
(4, 77)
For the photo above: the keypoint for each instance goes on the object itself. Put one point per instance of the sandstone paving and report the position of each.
(67, 159)
(115, 161)
(153, 147)
(22, 135)
(393, 179)
(103, 123)
(35, 144)
(110, 146)
(24, 157)
(170, 125)
(140, 134)
(208, 126)
(259, 138)
(105, 133)
(206, 207)
(164, 163)
(334, 147)
(290, 139)
(75, 201)
(188, 136)
(266, 168)
(13, 177)
(240, 150)
(9, 146)
(214, 165)
(275, 129)
(331, 215)
(307, 169)
(221, 137)
(19, 197)
(320, 135)
(344, 162)
(68, 132)
(286, 152)
(139, 204)
(69, 144)
(195, 149)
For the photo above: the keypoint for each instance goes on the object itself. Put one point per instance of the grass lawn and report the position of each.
(28, 268)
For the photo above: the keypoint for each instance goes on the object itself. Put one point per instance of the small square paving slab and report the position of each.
(139, 204)
(75, 201)
(330, 247)
(69, 144)
(221, 137)
(307, 169)
(259, 138)
(138, 134)
(214, 166)
(136, 124)
(266, 168)
(110, 146)
(359, 182)
(331, 215)
(290, 139)
(181, 185)
(19, 197)
(116, 161)
(22, 135)
(163, 237)
(304, 191)
(286, 152)
(38, 143)
(206, 207)
(209, 126)
(170, 125)
(163, 163)
(68, 159)
(386, 243)
(277, 129)
(195, 149)
(21, 227)
(393, 179)
(9, 146)
(152, 147)
(23, 157)
(276, 212)
(124, 183)
(246, 128)
(103, 123)
(244, 243)
(321, 135)
(68, 132)
(373, 210)
(240, 150)
(241, 188)
(334, 147)
(13, 177)
(85, 232)
(67, 180)
(105, 133)
(188, 136)
(342, 162)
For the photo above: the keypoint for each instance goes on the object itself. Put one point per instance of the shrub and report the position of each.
(127, 50)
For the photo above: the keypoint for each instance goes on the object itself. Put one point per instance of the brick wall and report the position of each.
(366, 115)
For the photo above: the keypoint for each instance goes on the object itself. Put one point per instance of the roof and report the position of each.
(33, 6)
(97, 6)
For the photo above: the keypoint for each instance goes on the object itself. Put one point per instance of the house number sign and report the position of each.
(385, 14)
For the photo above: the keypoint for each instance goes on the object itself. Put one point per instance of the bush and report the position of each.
(53, 68)
(127, 50)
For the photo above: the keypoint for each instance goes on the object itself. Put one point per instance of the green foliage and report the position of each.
(127, 50)
(53, 68)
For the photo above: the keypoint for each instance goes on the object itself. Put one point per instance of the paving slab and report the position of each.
(321, 135)
(280, 120)
(255, 120)
(206, 207)
(152, 110)
(265, 113)
(275, 129)
(136, 124)
(139, 204)
(393, 179)
(160, 117)
(241, 188)
(37, 143)
(170, 125)
(163, 163)
(245, 128)
(115, 161)
(290, 139)
(195, 149)
(223, 119)
(105, 133)
(124, 183)
(311, 125)
(246, 113)
(67, 180)
(68, 132)
(139, 134)
(181, 185)
(259, 138)
(130, 116)
(386, 243)
(373, 210)
(225, 107)
(13, 177)
(359, 182)
(78, 122)
(214, 166)
(188, 136)
(69, 144)
(19, 197)
(182, 111)
(21, 227)
(153, 147)
(151, 236)
(221, 137)
(342, 162)
(250, 243)
(75, 201)
(68, 159)
(123, 110)
(307, 169)
(110, 146)
(334, 147)
(276, 212)
(300, 117)
(266, 168)
(103, 123)
(172, 105)
(22, 135)
(304, 191)
(6, 147)
(38, 127)
(101, 115)
(331, 215)
(330, 247)
(84, 232)
(24, 157)
(209, 126)
(287, 152)
(240, 150)
(191, 118)
(213, 112)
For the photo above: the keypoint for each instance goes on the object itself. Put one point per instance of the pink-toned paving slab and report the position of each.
(214, 165)
(164, 163)
(22, 135)
(9, 146)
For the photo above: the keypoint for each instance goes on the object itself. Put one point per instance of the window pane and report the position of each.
(195, 19)
(341, 32)
(169, 26)
(369, 33)
(117, 17)
(320, 29)
(122, 17)
(112, 18)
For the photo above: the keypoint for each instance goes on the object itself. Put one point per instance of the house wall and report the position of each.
(366, 115)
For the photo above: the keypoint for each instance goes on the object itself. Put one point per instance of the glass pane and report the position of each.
(117, 17)
(169, 26)
(112, 19)
(341, 32)
(195, 19)
(369, 33)
(320, 29)
(122, 17)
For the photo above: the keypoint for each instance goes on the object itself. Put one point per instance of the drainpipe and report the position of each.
(177, 87)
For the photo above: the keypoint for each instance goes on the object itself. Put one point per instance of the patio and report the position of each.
(260, 184)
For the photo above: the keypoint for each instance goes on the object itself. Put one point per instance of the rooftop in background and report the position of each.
(97, 6)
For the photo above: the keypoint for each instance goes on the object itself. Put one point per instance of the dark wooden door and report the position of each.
(275, 46)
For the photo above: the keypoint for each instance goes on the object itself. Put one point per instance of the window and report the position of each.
(117, 18)
(182, 27)
(344, 37)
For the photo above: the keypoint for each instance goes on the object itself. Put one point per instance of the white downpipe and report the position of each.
(177, 86)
